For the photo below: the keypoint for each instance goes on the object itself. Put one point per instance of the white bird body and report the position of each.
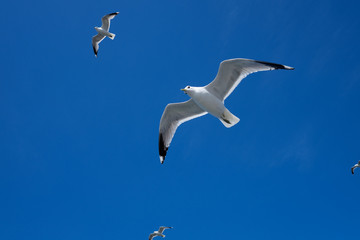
(209, 99)
(210, 103)
(156, 233)
(105, 33)
(206, 101)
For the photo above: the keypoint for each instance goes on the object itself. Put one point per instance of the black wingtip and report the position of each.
(162, 149)
(114, 13)
(95, 51)
(275, 65)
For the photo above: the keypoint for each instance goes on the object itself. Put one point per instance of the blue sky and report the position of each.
(78, 135)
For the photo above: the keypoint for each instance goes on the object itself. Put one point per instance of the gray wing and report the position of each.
(106, 20)
(174, 115)
(232, 71)
(355, 166)
(152, 235)
(95, 42)
(162, 228)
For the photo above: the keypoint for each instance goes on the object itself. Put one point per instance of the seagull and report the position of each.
(103, 31)
(158, 232)
(355, 166)
(209, 99)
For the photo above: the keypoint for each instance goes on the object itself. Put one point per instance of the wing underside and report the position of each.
(174, 115)
(106, 20)
(96, 40)
(232, 71)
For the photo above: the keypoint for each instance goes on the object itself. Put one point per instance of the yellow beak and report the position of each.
(183, 89)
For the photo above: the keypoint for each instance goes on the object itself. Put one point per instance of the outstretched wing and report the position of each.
(162, 228)
(106, 20)
(152, 235)
(174, 115)
(352, 170)
(232, 71)
(95, 42)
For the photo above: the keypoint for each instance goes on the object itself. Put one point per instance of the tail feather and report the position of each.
(112, 36)
(228, 119)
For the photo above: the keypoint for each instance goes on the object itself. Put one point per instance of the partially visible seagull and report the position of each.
(209, 99)
(355, 166)
(103, 31)
(158, 232)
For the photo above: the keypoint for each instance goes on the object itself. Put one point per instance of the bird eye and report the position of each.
(187, 87)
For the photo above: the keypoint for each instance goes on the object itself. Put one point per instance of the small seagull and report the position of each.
(158, 233)
(355, 166)
(103, 31)
(209, 99)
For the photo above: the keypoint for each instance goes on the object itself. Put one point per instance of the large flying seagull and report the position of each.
(209, 99)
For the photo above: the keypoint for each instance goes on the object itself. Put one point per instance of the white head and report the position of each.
(187, 89)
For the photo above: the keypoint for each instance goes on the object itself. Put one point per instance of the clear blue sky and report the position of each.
(78, 135)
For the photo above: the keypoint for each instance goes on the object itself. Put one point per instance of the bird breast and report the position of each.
(208, 102)
(103, 32)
